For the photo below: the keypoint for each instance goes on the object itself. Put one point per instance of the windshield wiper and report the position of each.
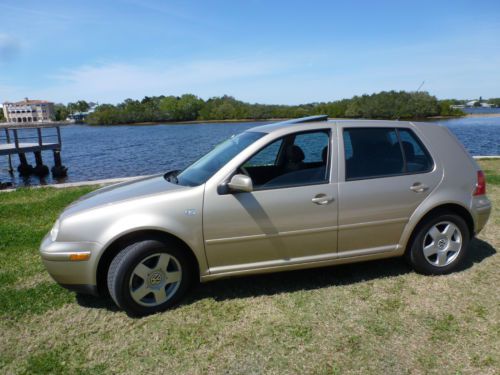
(171, 176)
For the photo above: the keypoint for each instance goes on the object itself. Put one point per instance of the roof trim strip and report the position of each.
(304, 120)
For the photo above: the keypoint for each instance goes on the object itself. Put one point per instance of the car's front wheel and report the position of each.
(440, 244)
(149, 276)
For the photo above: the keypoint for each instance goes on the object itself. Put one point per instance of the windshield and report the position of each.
(205, 167)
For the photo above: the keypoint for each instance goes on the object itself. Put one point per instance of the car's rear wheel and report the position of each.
(149, 276)
(440, 244)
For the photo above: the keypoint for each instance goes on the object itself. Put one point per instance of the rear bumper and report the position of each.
(482, 211)
(77, 275)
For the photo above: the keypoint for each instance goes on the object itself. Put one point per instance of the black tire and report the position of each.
(121, 277)
(415, 255)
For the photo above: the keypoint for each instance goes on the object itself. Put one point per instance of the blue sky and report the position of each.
(283, 52)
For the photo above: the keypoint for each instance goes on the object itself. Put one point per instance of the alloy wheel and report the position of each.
(155, 279)
(442, 244)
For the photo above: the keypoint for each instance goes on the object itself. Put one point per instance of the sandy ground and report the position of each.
(483, 115)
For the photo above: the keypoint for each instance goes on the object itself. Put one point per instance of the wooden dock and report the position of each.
(22, 138)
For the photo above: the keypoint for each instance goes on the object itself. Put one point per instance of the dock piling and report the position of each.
(11, 169)
(7, 139)
(40, 169)
(24, 168)
(58, 170)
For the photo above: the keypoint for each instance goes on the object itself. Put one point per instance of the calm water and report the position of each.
(93, 153)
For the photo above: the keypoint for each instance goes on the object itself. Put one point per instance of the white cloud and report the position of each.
(30, 10)
(282, 78)
(10, 47)
(114, 82)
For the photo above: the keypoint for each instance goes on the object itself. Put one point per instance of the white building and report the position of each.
(473, 103)
(29, 111)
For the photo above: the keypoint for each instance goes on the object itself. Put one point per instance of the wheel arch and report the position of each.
(442, 208)
(121, 242)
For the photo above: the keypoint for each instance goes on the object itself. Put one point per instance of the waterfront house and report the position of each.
(28, 110)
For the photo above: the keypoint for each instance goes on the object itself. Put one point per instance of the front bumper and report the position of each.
(77, 275)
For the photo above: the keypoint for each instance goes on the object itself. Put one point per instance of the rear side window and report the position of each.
(372, 152)
(416, 156)
(383, 152)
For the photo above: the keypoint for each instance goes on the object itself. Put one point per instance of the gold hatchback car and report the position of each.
(290, 195)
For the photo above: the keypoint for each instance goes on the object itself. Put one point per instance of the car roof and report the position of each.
(286, 127)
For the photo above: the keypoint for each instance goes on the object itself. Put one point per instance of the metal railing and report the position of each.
(16, 136)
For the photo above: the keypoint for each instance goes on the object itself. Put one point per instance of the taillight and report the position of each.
(480, 184)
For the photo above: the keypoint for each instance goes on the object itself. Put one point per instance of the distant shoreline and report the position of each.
(198, 122)
(467, 115)
(193, 122)
(483, 115)
(471, 115)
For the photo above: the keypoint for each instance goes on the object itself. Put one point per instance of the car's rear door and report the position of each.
(386, 173)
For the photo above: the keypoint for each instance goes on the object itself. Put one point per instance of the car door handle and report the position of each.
(418, 187)
(322, 199)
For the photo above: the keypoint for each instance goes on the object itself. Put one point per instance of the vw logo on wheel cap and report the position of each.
(442, 243)
(155, 278)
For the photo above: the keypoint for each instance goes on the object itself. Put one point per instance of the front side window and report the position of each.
(293, 160)
(268, 156)
(314, 145)
(204, 168)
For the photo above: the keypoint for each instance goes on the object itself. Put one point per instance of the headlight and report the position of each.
(54, 231)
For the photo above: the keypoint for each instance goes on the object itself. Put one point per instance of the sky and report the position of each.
(281, 52)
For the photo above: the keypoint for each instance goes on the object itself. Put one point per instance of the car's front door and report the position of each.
(387, 173)
(289, 217)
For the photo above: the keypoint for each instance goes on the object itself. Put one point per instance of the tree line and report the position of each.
(188, 107)
(63, 111)
(494, 101)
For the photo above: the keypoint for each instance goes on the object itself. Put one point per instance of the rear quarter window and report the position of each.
(417, 157)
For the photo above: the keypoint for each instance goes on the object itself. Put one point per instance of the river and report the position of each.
(99, 152)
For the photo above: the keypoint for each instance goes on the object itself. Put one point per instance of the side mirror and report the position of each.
(240, 183)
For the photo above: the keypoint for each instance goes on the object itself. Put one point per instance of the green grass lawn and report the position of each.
(375, 317)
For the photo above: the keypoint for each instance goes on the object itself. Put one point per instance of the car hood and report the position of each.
(121, 192)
